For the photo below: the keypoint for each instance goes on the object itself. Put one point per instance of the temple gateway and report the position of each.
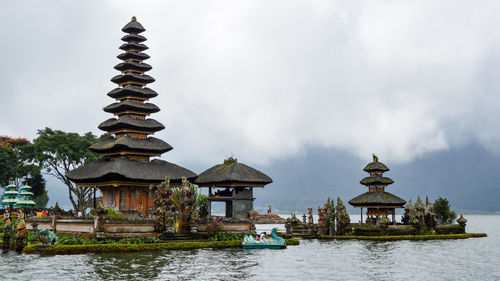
(125, 174)
(377, 201)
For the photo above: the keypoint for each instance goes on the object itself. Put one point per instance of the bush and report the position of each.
(442, 210)
(227, 236)
(113, 214)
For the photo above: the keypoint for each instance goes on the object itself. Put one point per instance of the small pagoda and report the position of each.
(232, 183)
(9, 197)
(126, 174)
(377, 201)
(24, 198)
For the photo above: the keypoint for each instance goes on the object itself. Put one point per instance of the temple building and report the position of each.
(232, 183)
(126, 174)
(377, 201)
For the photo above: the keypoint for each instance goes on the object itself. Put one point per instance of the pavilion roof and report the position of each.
(133, 27)
(124, 169)
(130, 90)
(369, 181)
(377, 198)
(127, 122)
(109, 144)
(128, 104)
(231, 173)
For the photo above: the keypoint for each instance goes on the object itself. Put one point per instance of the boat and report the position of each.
(276, 242)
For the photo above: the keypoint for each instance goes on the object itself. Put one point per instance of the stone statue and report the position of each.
(288, 226)
(310, 218)
(321, 215)
(7, 229)
(164, 186)
(47, 237)
(21, 225)
(462, 221)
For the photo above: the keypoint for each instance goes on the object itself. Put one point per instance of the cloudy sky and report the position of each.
(265, 80)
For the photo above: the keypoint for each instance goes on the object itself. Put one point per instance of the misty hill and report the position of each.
(468, 177)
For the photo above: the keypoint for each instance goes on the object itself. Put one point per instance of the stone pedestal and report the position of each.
(20, 243)
(6, 242)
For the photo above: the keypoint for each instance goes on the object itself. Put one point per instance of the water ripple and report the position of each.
(471, 259)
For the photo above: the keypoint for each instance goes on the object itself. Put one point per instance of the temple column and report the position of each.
(393, 216)
(361, 215)
(209, 202)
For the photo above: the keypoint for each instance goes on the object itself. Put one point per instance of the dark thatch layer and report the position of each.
(130, 105)
(125, 143)
(123, 169)
(132, 77)
(133, 55)
(232, 173)
(129, 90)
(133, 27)
(132, 65)
(376, 167)
(377, 198)
(134, 38)
(133, 46)
(376, 181)
(127, 122)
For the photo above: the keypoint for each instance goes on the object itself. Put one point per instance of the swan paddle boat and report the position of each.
(276, 242)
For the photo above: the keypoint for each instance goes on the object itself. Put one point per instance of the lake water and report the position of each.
(469, 259)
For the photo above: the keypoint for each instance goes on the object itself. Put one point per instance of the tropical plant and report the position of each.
(59, 152)
(443, 212)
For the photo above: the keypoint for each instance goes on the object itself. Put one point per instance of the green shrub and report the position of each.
(442, 210)
(227, 236)
(113, 214)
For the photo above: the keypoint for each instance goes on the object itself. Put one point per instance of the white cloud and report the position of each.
(265, 80)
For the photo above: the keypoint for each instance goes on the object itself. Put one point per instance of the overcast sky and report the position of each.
(264, 80)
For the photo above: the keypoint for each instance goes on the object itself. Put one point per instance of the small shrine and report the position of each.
(9, 197)
(232, 183)
(125, 174)
(377, 201)
(24, 198)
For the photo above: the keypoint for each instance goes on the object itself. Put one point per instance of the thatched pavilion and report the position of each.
(125, 174)
(232, 183)
(377, 201)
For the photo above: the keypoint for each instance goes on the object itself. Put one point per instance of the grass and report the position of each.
(407, 237)
(106, 248)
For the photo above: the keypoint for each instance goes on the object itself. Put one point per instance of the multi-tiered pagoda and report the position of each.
(126, 174)
(378, 202)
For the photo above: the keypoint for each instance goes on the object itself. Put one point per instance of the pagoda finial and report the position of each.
(134, 19)
(375, 158)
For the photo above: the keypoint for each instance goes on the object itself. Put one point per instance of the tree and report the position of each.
(16, 165)
(8, 162)
(202, 204)
(59, 152)
(442, 210)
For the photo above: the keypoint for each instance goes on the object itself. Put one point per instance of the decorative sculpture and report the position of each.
(21, 225)
(310, 218)
(47, 237)
(462, 221)
(321, 217)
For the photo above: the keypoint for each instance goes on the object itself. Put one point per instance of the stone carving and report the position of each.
(462, 221)
(47, 237)
(21, 225)
(310, 218)
(321, 217)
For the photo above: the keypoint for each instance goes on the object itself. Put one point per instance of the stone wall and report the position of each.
(112, 228)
